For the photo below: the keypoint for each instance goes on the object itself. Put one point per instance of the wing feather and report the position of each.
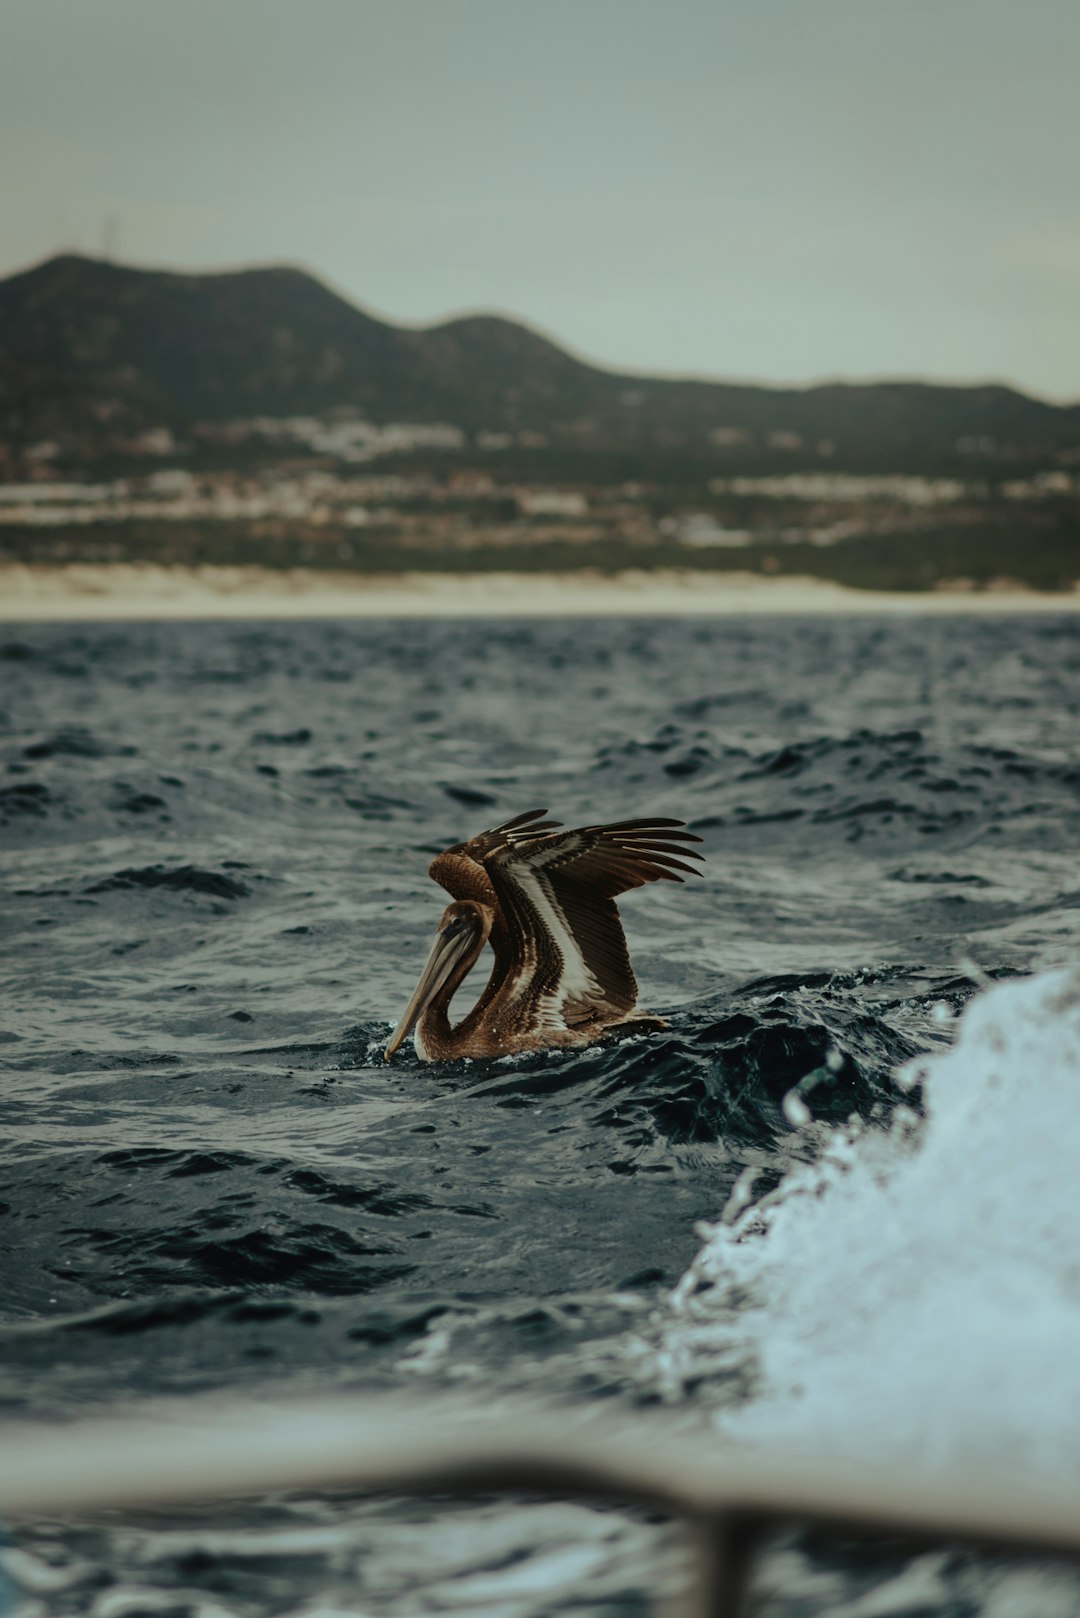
(557, 891)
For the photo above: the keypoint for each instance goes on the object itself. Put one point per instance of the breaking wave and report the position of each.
(913, 1294)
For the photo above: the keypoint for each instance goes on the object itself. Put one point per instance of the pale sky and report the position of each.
(776, 190)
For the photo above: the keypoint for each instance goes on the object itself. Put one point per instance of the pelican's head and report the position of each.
(463, 932)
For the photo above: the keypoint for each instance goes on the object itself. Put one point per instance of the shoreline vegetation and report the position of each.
(106, 591)
(977, 554)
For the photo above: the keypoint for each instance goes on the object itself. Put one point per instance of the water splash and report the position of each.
(914, 1294)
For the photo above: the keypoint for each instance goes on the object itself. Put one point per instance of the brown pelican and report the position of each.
(544, 899)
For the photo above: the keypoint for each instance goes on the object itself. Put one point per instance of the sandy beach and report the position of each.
(117, 591)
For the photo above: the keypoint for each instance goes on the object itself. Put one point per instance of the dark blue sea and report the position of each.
(804, 1214)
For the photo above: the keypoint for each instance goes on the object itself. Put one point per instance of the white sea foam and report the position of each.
(915, 1296)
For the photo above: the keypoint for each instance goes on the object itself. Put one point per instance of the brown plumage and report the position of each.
(544, 898)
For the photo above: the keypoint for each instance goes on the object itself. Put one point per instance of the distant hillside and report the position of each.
(87, 342)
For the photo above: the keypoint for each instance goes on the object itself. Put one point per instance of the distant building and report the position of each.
(551, 503)
(1040, 487)
(700, 528)
(843, 488)
(154, 441)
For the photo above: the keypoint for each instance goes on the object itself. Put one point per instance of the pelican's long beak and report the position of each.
(447, 950)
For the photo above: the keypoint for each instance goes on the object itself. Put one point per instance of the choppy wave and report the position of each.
(214, 854)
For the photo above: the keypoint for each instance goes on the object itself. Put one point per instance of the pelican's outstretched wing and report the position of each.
(460, 870)
(557, 891)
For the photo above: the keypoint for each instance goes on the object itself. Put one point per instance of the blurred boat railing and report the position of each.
(200, 1451)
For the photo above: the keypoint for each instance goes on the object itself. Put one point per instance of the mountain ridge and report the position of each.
(177, 347)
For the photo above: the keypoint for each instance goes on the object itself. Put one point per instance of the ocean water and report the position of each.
(828, 1211)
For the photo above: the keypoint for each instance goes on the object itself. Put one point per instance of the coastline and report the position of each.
(89, 592)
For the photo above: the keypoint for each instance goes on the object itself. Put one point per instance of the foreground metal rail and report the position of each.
(197, 1451)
